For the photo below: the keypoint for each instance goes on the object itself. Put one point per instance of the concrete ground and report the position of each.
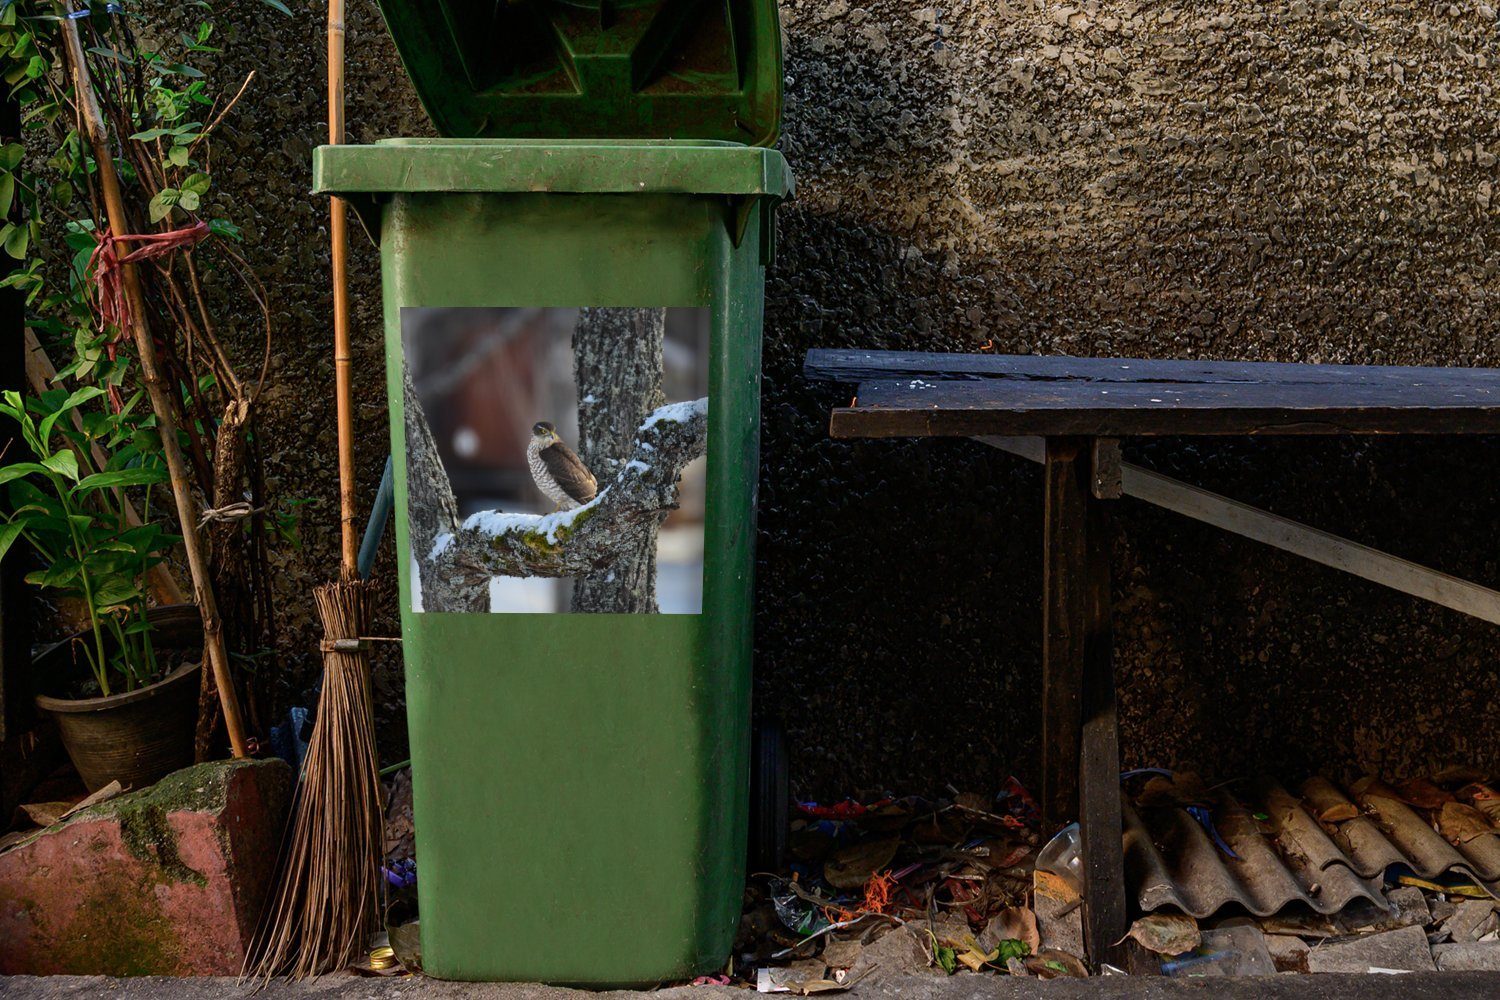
(1417, 986)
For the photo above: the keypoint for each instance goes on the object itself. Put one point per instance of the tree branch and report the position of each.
(432, 510)
(587, 539)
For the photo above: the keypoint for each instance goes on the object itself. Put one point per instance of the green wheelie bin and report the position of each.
(572, 283)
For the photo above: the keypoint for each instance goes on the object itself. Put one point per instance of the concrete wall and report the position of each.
(1299, 181)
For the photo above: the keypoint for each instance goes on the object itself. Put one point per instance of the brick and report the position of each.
(167, 881)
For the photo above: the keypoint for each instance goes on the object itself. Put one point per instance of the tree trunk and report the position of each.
(617, 366)
(432, 511)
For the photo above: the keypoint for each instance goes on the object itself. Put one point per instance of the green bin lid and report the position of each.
(570, 69)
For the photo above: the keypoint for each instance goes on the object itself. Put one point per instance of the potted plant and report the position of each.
(121, 690)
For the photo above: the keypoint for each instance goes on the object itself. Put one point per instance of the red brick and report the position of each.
(166, 881)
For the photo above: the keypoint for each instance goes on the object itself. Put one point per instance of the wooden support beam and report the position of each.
(1099, 821)
(1105, 481)
(1064, 625)
(1291, 536)
(1080, 735)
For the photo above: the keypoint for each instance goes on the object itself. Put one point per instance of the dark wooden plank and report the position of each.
(1064, 621)
(1100, 826)
(922, 408)
(865, 366)
(1283, 533)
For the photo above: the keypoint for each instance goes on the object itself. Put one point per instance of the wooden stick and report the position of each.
(342, 357)
(161, 400)
(40, 372)
(1283, 533)
(1064, 627)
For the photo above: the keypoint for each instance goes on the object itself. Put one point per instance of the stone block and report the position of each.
(166, 881)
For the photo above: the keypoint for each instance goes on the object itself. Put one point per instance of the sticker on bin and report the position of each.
(555, 459)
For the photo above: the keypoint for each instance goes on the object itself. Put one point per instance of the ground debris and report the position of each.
(1476, 956)
(1404, 950)
(1472, 920)
(883, 886)
(1166, 933)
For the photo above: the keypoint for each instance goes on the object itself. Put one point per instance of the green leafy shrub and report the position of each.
(78, 523)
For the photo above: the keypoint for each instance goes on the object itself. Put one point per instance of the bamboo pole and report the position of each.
(161, 401)
(40, 372)
(342, 356)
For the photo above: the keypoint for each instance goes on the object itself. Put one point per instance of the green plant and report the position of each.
(157, 74)
(78, 521)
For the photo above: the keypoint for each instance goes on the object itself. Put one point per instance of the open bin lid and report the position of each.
(572, 69)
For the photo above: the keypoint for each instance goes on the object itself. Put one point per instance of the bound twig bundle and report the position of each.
(328, 892)
(328, 896)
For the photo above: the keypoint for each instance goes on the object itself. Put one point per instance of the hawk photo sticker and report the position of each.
(555, 458)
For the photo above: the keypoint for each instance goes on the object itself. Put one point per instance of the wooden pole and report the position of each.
(1064, 614)
(342, 356)
(161, 401)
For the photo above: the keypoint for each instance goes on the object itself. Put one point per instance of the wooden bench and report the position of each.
(1069, 414)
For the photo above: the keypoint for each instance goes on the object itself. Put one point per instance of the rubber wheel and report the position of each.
(770, 796)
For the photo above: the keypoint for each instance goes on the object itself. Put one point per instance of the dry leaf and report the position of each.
(48, 813)
(1458, 774)
(840, 954)
(1460, 824)
(851, 867)
(1014, 923)
(104, 794)
(1054, 964)
(1166, 933)
(1423, 794)
(1484, 798)
(1326, 802)
(1339, 812)
(45, 813)
(1371, 787)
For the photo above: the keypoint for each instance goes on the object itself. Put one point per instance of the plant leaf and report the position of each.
(17, 239)
(59, 574)
(161, 205)
(63, 462)
(20, 469)
(9, 532)
(76, 398)
(121, 477)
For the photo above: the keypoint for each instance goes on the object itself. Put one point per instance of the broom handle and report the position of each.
(342, 360)
(161, 403)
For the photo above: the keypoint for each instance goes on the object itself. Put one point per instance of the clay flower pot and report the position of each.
(135, 737)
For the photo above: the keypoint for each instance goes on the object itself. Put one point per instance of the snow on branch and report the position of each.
(586, 539)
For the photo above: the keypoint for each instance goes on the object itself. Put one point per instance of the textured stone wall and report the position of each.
(1295, 181)
(1301, 181)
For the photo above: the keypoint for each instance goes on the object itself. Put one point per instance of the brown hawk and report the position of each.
(559, 473)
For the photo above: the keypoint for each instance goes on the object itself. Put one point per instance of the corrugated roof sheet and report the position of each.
(1325, 849)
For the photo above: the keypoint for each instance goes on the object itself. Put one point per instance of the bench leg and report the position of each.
(1080, 737)
(1104, 906)
(1064, 617)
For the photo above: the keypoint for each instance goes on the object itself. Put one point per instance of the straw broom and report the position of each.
(328, 899)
